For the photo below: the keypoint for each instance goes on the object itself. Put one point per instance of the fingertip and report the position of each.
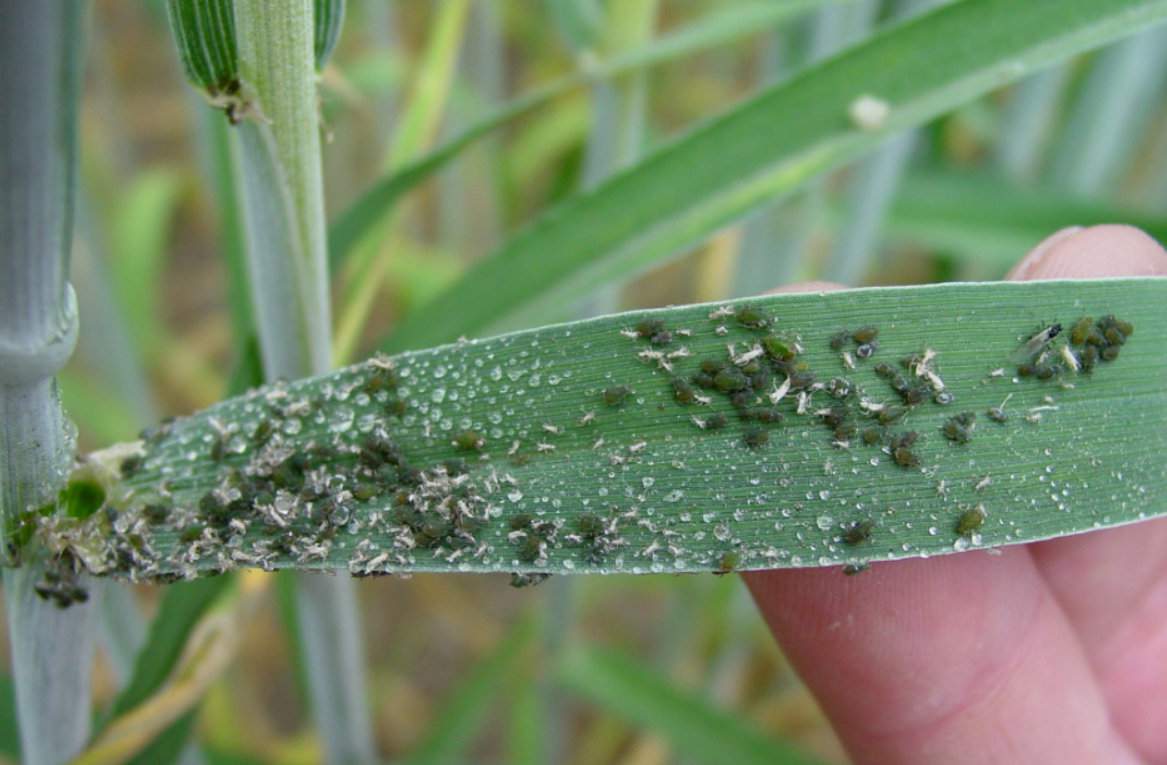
(1093, 252)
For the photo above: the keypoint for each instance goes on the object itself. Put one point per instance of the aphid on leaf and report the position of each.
(858, 532)
(729, 380)
(872, 436)
(751, 317)
(131, 465)
(1081, 330)
(839, 340)
(648, 328)
(970, 521)
(867, 350)
(853, 569)
(959, 428)
(865, 334)
(683, 392)
(469, 441)
(519, 581)
(616, 395)
(756, 438)
(779, 348)
(716, 421)
(728, 563)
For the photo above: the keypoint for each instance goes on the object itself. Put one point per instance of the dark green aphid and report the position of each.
(839, 340)
(742, 399)
(872, 436)
(716, 421)
(1095, 337)
(650, 327)
(131, 465)
(865, 334)
(767, 414)
(616, 395)
(904, 457)
(263, 432)
(845, 431)
(589, 525)
(1080, 330)
(853, 569)
(905, 440)
(1045, 371)
(396, 407)
(885, 370)
(970, 521)
(1124, 327)
(730, 379)
(191, 533)
(529, 548)
(1089, 358)
(890, 414)
(728, 563)
(1025, 369)
(520, 521)
(751, 317)
(365, 491)
(915, 394)
(711, 366)
(218, 447)
(959, 428)
(519, 581)
(778, 348)
(1109, 353)
(834, 416)
(469, 441)
(155, 514)
(756, 438)
(703, 380)
(858, 532)
(801, 380)
(1113, 336)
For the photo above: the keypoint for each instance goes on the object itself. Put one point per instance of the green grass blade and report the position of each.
(985, 221)
(467, 708)
(757, 151)
(355, 470)
(362, 216)
(181, 608)
(702, 733)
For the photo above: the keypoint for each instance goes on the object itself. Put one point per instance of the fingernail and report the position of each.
(1033, 260)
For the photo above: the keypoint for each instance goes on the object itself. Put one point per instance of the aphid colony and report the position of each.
(1090, 342)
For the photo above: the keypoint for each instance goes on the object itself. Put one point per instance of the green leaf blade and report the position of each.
(702, 733)
(763, 149)
(566, 427)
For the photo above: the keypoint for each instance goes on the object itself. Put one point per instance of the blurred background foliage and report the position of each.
(599, 670)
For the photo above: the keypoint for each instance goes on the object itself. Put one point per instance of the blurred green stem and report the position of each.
(619, 114)
(1028, 120)
(40, 63)
(284, 217)
(1108, 120)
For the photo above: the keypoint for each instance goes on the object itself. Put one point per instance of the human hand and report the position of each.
(1049, 652)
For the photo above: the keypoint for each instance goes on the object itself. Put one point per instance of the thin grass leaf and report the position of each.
(586, 448)
(689, 189)
(362, 216)
(984, 221)
(183, 605)
(701, 733)
(466, 709)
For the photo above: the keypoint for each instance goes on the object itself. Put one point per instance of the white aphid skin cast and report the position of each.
(869, 112)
